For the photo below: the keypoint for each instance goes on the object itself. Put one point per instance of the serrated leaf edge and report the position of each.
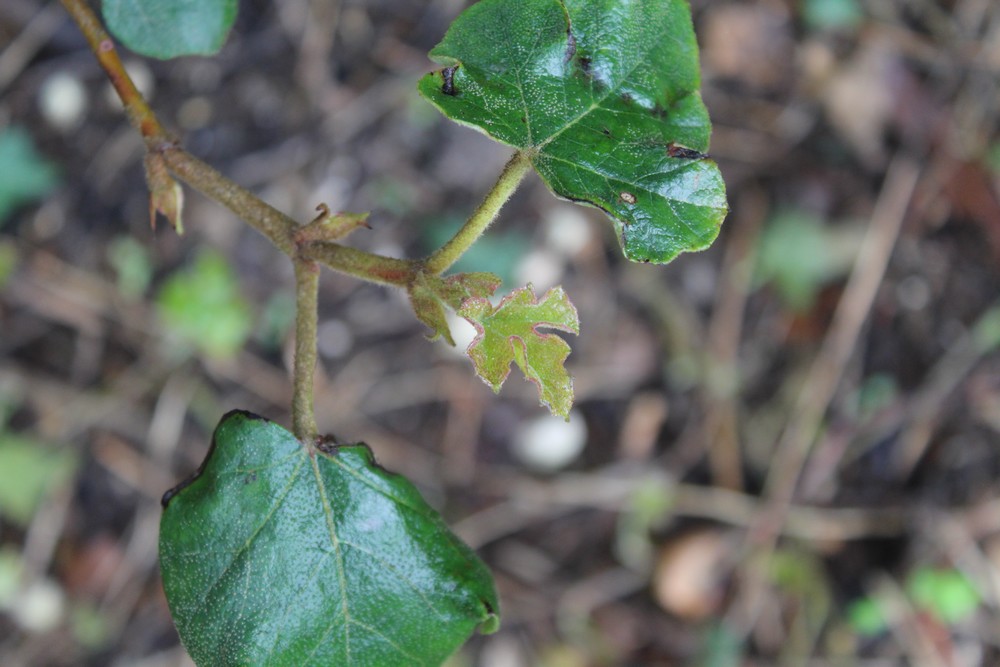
(552, 292)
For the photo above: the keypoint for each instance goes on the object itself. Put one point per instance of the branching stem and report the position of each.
(308, 250)
(275, 225)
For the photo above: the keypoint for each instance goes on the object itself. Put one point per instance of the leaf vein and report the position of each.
(246, 545)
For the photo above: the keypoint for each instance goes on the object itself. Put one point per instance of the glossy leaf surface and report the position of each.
(604, 94)
(272, 555)
(509, 333)
(170, 28)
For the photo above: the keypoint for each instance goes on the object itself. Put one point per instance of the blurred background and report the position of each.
(784, 450)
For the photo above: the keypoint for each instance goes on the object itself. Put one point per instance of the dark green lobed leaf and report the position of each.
(273, 556)
(605, 95)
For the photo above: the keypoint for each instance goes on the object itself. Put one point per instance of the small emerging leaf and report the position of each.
(276, 554)
(429, 294)
(166, 196)
(330, 226)
(603, 94)
(170, 28)
(509, 333)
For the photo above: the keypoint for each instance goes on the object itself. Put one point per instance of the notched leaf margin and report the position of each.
(190, 479)
(518, 345)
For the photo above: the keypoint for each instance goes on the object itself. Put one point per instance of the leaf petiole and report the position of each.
(513, 173)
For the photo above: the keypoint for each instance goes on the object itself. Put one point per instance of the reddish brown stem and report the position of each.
(139, 113)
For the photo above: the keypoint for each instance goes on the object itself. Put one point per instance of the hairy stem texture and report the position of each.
(513, 173)
(306, 314)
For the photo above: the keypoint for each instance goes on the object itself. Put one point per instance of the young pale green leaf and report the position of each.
(170, 28)
(604, 96)
(509, 333)
(274, 554)
(429, 294)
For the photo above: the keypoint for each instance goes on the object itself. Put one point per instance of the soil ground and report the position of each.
(791, 441)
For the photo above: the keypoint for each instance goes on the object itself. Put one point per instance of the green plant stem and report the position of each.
(272, 223)
(365, 265)
(306, 314)
(513, 173)
(269, 221)
(279, 228)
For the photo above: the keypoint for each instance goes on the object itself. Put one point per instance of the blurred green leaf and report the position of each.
(832, 14)
(29, 471)
(132, 264)
(993, 158)
(945, 592)
(560, 655)
(11, 574)
(865, 616)
(275, 554)
(8, 261)
(24, 174)
(202, 306)
(647, 506)
(800, 576)
(986, 331)
(509, 333)
(721, 647)
(799, 255)
(11, 397)
(170, 28)
(604, 96)
(393, 195)
(276, 320)
(89, 626)
(878, 391)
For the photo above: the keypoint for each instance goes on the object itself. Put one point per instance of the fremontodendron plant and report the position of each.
(288, 548)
